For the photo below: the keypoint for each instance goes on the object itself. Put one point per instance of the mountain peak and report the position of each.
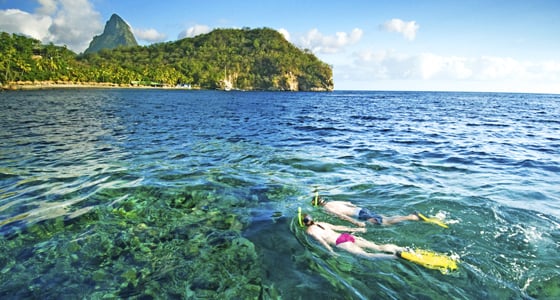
(116, 33)
(114, 23)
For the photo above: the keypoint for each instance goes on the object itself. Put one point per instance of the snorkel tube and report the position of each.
(316, 200)
(299, 217)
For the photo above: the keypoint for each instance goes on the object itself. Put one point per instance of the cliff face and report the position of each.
(116, 33)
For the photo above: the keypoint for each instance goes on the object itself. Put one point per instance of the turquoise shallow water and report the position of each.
(192, 194)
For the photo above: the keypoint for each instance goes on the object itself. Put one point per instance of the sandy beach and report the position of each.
(44, 85)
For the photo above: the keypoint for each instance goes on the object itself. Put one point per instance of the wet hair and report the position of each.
(316, 201)
(307, 219)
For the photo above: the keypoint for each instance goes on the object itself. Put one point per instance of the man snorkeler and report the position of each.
(348, 212)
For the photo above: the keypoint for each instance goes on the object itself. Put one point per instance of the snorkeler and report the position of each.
(348, 211)
(328, 235)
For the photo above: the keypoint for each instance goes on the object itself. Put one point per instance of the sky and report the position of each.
(397, 45)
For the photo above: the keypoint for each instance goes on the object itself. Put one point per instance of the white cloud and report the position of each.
(149, 35)
(63, 22)
(285, 33)
(427, 68)
(48, 7)
(432, 66)
(499, 67)
(407, 29)
(75, 24)
(551, 66)
(17, 21)
(319, 43)
(194, 31)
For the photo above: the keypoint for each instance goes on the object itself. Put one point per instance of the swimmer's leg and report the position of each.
(358, 251)
(390, 248)
(397, 219)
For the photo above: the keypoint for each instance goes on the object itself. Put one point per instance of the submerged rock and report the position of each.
(149, 245)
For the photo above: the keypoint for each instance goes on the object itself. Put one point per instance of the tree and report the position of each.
(254, 59)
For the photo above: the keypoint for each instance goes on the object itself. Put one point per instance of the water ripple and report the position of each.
(75, 165)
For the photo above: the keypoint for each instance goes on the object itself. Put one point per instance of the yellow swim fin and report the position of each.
(431, 220)
(430, 260)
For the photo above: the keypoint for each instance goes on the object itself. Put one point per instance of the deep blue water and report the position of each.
(82, 170)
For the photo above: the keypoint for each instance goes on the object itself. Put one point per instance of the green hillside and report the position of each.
(248, 59)
(251, 59)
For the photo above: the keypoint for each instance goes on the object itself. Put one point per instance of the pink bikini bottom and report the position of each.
(345, 237)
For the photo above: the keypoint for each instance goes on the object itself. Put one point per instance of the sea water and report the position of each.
(193, 194)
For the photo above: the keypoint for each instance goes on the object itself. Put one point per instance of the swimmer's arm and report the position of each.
(347, 229)
(349, 219)
(323, 242)
(327, 246)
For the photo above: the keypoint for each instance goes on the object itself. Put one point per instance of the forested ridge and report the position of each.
(248, 59)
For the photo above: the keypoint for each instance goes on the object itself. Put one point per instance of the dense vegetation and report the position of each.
(25, 59)
(250, 59)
